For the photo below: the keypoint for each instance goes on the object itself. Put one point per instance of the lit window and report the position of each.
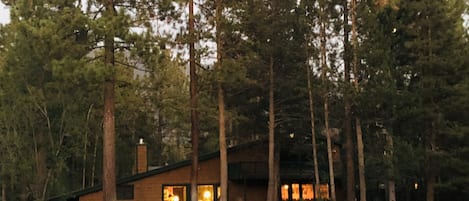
(324, 191)
(304, 192)
(307, 191)
(205, 193)
(284, 192)
(295, 191)
(174, 193)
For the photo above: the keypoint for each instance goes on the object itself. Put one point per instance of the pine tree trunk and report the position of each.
(361, 160)
(276, 171)
(389, 155)
(109, 176)
(326, 101)
(109, 166)
(223, 152)
(4, 190)
(95, 156)
(430, 179)
(85, 148)
(41, 166)
(358, 127)
(348, 145)
(391, 186)
(329, 148)
(193, 105)
(221, 108)
(313, 133)
(159, 139)
(430, 135)
(272, 188)
(83, 172)
(430, 183)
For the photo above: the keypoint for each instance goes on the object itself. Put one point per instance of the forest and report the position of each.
(82, 78)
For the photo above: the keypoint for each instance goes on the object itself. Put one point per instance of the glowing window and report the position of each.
(284, 192)
(174, 193)
(205, 193)
(295, 192)
(324, 191)
(307, 191)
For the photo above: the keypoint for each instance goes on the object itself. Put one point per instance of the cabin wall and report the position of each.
(151, 188)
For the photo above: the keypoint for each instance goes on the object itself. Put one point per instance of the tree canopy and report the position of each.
(411, 94)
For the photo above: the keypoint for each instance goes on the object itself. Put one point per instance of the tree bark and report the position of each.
(430, 183)
(272, 188)
(361, 160)
(391, 186)
(109, 176)
(4, 190)
(348, 134)
(326, 100)
(313, 132)
(358, 128)
(95, 156)
(193, 105)
(430, 135)
(329, 148)
(430, 175)
(40, 157)
(109, 166)
(221, 106)
(388, 156)
(85, 147)
(159, 139)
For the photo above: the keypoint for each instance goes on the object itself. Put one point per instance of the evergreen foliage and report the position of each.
(413, 88)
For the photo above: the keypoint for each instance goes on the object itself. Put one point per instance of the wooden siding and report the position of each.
(151, 188)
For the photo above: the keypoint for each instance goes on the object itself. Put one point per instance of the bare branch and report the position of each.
(134, 67)
(202, 67)
(93, 59)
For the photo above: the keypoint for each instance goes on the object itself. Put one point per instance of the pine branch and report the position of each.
(132, 66)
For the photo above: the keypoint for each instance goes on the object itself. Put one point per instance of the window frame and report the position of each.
(187, 191)
(215, 187)
(300, 189)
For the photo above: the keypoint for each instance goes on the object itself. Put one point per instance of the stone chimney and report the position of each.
(141, 159)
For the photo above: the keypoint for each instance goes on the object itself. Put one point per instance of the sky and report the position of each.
(4, 14)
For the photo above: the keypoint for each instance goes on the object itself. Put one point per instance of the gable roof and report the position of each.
(76, 194)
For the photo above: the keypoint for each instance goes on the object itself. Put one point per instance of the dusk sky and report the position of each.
(4, 14)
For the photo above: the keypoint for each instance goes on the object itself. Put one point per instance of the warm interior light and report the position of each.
(416, 186)
(284, 192)
(295, 191)
(176, 198)
(207, 195)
